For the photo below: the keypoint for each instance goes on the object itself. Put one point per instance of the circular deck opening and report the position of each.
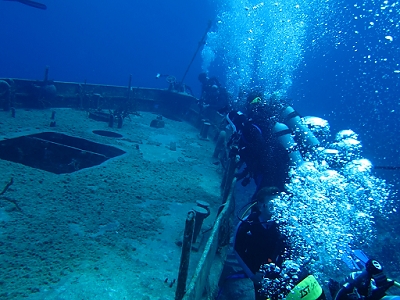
(107, 133)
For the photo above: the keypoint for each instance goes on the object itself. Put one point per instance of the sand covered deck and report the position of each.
(109, 231)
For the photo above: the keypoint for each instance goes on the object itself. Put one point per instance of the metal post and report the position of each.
(201, 43)
(185, 256)
(46, 74)
(119, 121)
(129, 87)
(82, 95)
(111, 121)
(204, 130)
(201, 214)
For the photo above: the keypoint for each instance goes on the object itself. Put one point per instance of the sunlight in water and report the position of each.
(259, 43)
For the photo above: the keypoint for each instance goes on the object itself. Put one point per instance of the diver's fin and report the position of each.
(355, 259)
(31, 3)
(361, 256)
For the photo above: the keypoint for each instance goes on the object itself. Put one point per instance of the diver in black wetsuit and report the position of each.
(264, 148)
(265, 143)
(258, 240)
(30, 3)
(213, 95)
(266, 159)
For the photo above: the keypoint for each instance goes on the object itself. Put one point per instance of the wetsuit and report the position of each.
(214, 95)
(266, 159)
(256, 244)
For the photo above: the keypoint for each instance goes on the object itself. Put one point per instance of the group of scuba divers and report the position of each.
(268, 138)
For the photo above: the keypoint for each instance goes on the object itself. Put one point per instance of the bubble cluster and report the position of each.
(319, 127)
(331, 206)
(259, 43)
(278, 282)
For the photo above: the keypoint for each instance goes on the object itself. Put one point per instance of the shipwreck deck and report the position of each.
(108, 230)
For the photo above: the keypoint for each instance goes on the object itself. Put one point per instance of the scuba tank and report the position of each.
(293, 121)
(284, 136)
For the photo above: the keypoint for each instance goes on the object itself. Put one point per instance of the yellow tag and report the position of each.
(256, 100)
(307, 289)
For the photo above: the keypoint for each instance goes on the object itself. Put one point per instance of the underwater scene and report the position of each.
(215, 149)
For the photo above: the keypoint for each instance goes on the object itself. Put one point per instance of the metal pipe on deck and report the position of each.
(202, 212)
(185, 256)
(111, 121)
(119, 121)
(204, 130)
(129, 87)
(46, 74)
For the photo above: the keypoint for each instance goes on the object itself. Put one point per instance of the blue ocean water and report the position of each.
(331, 77)
(103, 43)
(334, 59)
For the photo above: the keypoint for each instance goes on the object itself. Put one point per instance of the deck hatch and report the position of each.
(56, 152)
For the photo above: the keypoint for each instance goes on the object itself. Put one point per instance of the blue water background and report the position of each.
(105, 42)
(353, 92)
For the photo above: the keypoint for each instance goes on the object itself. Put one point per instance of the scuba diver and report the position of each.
(280, 111)
(293, 283)
(265, 143)
(213, 95)
(31, 3)
(258, 240)
(284, 279)
(264, 254)
(368, 284)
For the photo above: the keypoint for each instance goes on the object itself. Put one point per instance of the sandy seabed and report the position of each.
(109, 231)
